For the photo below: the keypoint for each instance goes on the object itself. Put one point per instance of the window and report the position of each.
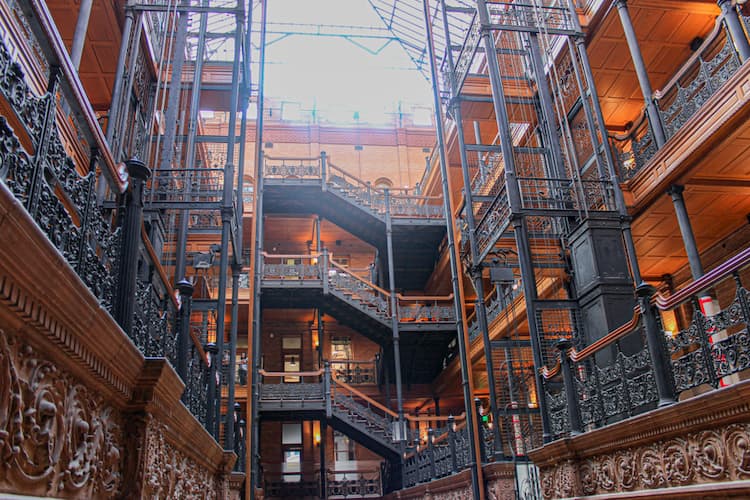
(341, 348)
(343, 448)
(291, 442)
(383, 182)
(292, 356)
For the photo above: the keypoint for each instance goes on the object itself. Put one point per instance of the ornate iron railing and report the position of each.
(59, 194)
(446, 451)
(702, 75)
(354, 372)
(533, 17)
(355, 290)
(354, 484)
(403, 203)
(281, 387)
(182, 186)
(494, 221)
(707, 70)
(566, 194)
(291, 267)
(621, 375)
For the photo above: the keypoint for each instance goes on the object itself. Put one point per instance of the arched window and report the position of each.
(383, 182)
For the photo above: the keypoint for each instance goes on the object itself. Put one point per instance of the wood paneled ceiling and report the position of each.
(101, 49)
(665, 29)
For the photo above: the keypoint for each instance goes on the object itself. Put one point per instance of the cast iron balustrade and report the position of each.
(354, 372)
(175, 187)
(362, 483)
(291, 388)
(291, 267)
(495, 305)
(322, 270)
(291, 168)
(403, 204)
(631, 370)
(494, 221)
(701, 77)
(445, 451)
(537, 17)
(546, 194)
(293, 481)
(60, 196)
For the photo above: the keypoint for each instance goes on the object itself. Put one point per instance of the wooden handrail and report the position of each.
(159, 269)
(359, 278)
(427, 418)
(706, 281)
(608, 339)
(366, 398)
(309, 256)
(316, 373)
(548, 373)
(170, 290)
(347, 174)
(57, 47)
(291, 158)
(350, 361)
(434, 298)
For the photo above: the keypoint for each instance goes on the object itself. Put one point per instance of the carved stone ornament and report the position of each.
(57, 437)
(708, 456)
(165, 472)
(457, 494)
(501, 489)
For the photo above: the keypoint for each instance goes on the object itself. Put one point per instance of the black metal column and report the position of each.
(79, 35)
(122, 309)
(173, 103)
(640, 70)
(394, 325)
(476, 265)
(227, 208)
(323, 465)
(182, 234)
(514, 199)
(183, 344)
(474, 462)
(253, 413)
(735, 29)
(686, 230)
(229, 429)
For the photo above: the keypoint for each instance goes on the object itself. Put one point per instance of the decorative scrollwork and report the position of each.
(704, 456)
(56, 436)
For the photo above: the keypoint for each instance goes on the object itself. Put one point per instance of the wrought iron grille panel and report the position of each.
(60, 200)
(286, 168)
(292, 392)
(532, 17)
(715, 65)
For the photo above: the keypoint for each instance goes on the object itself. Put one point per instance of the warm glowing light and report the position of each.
(317, 438)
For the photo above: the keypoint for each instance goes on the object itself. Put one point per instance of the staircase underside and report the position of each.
(306, 411)
(415, 240)
(423, 345)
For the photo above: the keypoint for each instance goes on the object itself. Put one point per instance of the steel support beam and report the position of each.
(467, 381)
(654, 119)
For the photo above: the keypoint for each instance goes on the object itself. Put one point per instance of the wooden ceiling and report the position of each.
(664, 29)
(101, 49)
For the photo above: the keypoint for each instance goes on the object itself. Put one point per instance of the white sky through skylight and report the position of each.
(331, 73)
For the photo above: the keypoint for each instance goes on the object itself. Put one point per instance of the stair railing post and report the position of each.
(324, 170)
(431, 451)
(571, 395)
(211, 351)
(327, 389)
(480, 430)
(452, 442)
(183, 347)
(324, 271)
(131, 241)
(663, 376)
